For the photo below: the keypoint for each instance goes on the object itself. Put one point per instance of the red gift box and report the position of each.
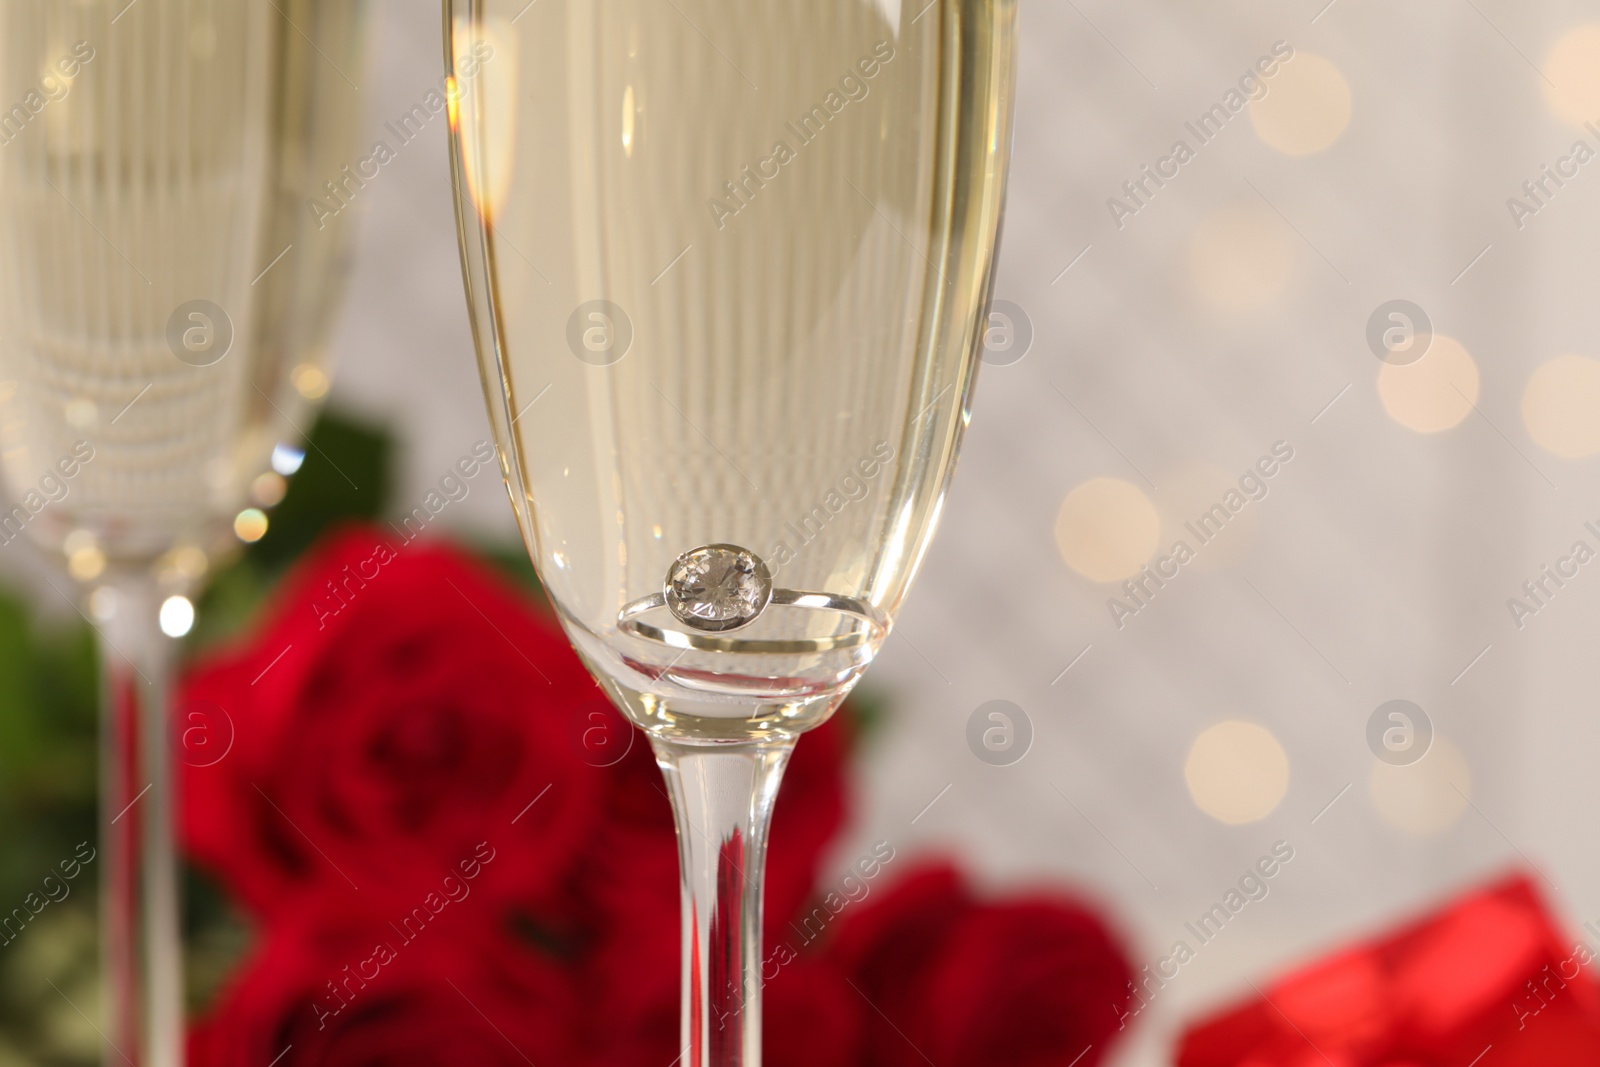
(1489, 981)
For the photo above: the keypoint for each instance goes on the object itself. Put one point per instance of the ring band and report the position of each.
(629, 622)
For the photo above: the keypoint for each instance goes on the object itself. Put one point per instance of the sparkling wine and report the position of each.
(165, 284)
(727, 266)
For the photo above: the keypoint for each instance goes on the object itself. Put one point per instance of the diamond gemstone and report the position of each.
(718, 587)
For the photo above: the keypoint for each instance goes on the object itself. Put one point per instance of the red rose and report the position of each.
(404, 735)
(1034, 981)
(623, 888)
(449, 997)
(1030, 982)
(399, 709)
(811, 1016)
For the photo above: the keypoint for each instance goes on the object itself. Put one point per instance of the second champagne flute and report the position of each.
(165, 288)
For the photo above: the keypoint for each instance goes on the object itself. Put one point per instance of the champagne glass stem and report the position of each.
(722, 798)
(141, 939)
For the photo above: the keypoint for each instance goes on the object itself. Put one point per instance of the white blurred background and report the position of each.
(1228, 313)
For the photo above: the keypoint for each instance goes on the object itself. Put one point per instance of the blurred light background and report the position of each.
(1218, 320)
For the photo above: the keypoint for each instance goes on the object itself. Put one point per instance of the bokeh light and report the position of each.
(1307, 106)
(250, 525)
(1426, 797)
(1107, 529)
(1436, 392)
(268, 488)
(176, 616)
(286, 459)
(86, 564)
(1571, 79)
(103, 603)
(309, 381)
(1561, 406)
(184, 564)
(1241, 257)
(85, 560)
(1237, 772)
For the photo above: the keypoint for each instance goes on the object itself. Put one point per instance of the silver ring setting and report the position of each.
(716, 589)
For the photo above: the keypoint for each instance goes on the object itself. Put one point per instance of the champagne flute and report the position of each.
(727, 269)
(165, 287)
